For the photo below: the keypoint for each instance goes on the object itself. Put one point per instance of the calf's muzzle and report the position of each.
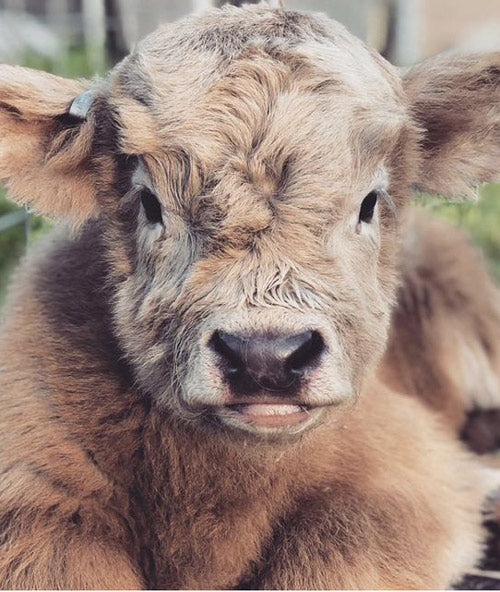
(266, 362)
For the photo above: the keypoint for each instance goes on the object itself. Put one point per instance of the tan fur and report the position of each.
(360, 479)
(260, 132)
(46, 165)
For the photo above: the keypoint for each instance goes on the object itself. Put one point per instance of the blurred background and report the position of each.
(81, 38)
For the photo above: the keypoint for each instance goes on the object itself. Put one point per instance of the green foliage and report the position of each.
(13, 240)
(480, 220)
(72, 64)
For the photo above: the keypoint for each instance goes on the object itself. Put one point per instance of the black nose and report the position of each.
(270, 362)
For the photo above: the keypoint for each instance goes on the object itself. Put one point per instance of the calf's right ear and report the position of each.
(47, 143)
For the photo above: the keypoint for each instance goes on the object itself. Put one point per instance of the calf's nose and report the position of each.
(270, 362)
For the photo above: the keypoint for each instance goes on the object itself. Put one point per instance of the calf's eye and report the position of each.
(152, 207)
(368, 207)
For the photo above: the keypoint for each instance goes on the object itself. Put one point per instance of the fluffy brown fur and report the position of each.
(260, 132)
(455, 97)
(355, 504)
(445, 336)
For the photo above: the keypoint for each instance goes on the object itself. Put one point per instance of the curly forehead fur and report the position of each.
(219, 88)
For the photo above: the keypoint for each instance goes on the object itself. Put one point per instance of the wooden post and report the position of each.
(127, 12)
(56, 12)
(94, 31)
(116, 45)
(406, 34)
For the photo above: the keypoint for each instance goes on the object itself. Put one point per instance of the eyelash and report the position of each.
(151, 206)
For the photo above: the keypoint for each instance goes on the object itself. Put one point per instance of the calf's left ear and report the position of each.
(48, 154)
(455, 100)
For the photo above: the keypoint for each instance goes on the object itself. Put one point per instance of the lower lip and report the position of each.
(271, 415)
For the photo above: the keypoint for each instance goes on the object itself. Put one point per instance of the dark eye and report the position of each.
(367, 207)
(151, 205)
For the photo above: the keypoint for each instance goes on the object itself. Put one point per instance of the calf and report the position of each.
(188, 380)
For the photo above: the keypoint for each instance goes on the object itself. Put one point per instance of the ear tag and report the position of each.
(81, 105)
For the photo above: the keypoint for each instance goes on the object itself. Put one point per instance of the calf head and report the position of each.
(249, 169)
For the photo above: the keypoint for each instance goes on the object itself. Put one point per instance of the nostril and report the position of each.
(309, 349)
(229, 349)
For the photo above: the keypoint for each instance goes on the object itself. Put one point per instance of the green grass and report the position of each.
(13, 241)
(73, 64)
(480, 220)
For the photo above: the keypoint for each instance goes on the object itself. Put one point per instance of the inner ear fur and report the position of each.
(455, 100)
(47, 158)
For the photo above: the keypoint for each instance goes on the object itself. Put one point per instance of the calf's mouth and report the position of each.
(268, 414)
